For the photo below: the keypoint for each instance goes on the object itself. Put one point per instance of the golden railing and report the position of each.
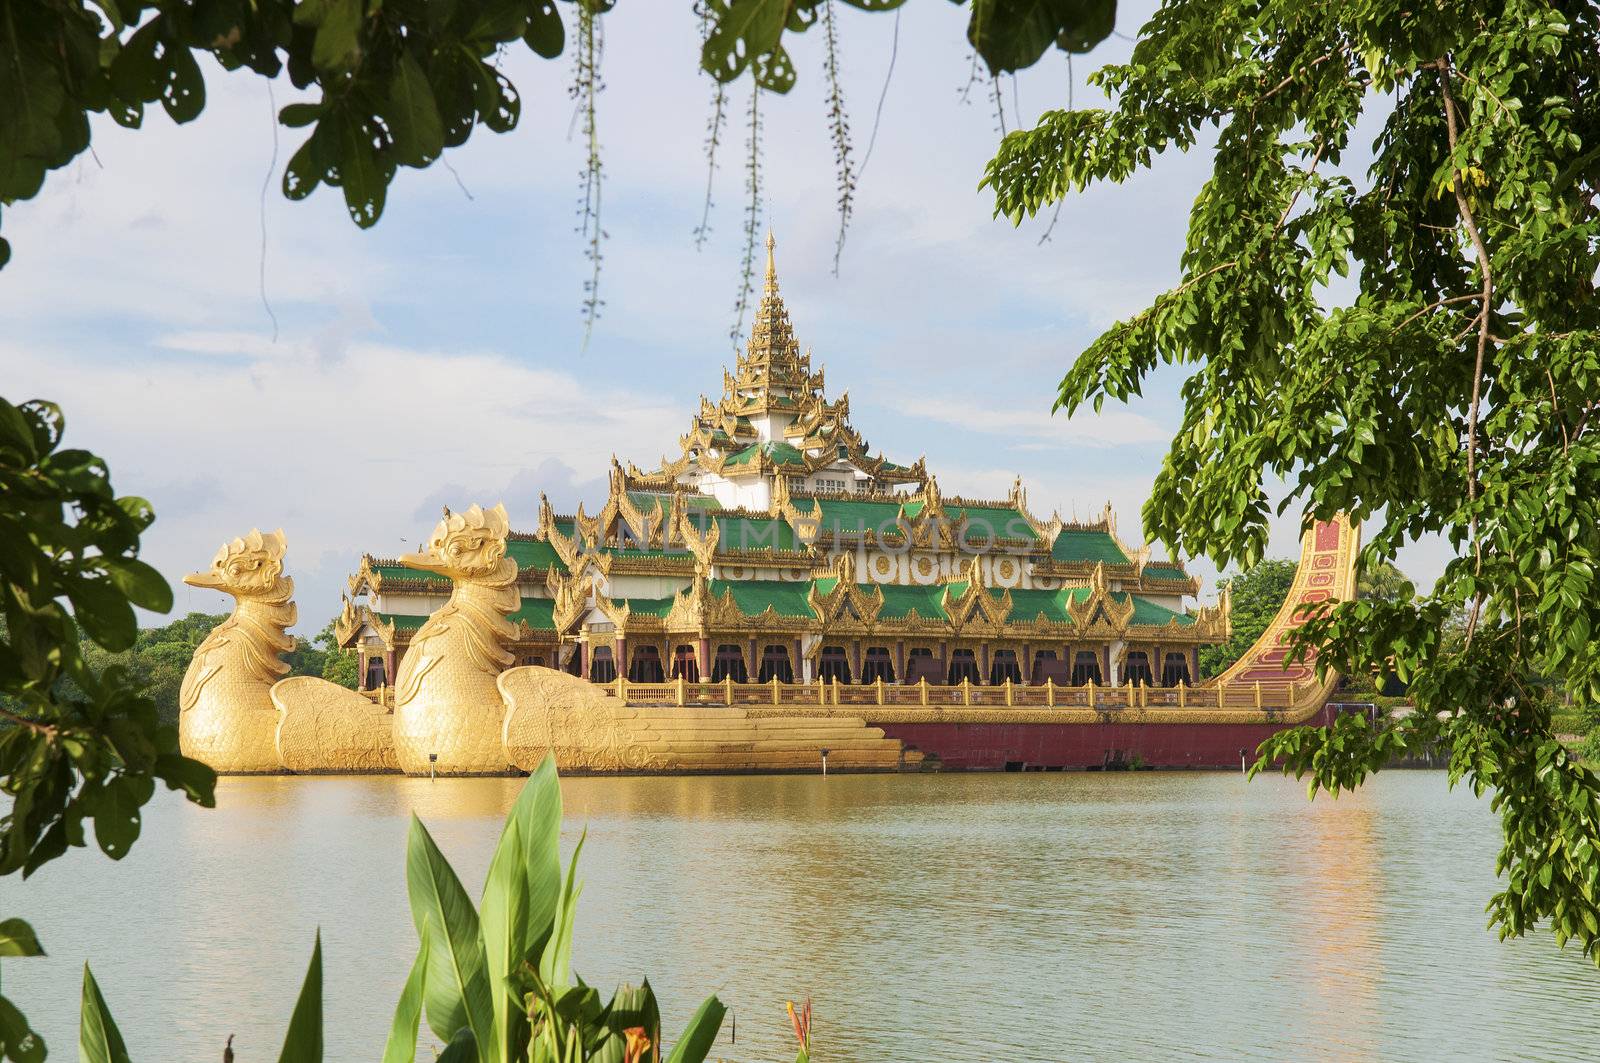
(1258, 696)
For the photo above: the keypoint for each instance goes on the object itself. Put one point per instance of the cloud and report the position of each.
(1110, 428)
(346, 456)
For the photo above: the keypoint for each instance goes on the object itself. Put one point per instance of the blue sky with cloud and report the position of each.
(440, 357)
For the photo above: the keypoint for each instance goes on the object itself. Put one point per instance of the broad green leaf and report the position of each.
(22, 1042)
(700, 1034)
(537, 811)
(18, 939)
(545, 33)
(461, 1049)
(746, 29)
(456, 987)
(99, 1040)
(504, 919)
(555, 964)
(143, 585)
(412, 115)
(303, 1042)
(402, 1044)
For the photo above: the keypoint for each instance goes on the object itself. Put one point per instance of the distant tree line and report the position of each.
(159, 657)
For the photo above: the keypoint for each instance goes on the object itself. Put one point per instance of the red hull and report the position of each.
(1077, 747)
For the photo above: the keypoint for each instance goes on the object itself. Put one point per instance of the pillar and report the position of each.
(389, 667)
(619, 655)
(702, 650)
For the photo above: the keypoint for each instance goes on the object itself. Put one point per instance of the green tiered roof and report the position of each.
(398, 572)
(779, 452)
(534, 553)
(1164, 570)
(753, 596)
(537, 613)
(1078, 544)
(402, 621)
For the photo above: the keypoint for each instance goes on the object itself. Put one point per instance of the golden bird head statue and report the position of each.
(249, 567)
(468, 545)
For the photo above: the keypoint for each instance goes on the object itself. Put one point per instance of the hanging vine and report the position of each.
(586, 86)
(838, 129)
(719, 99)
(752, 214)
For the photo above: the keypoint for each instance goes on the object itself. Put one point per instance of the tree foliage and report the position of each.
(1414, 340)
(1257, 595)
(76, 744)
(398, 82)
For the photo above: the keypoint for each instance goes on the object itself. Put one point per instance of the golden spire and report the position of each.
(772, 267)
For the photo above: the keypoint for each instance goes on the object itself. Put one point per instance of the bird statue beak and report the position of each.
(426, 562)
(206, 580)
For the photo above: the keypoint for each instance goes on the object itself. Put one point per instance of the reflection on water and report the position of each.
(1050, 917)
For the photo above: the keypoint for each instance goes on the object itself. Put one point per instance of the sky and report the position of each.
(244, 361)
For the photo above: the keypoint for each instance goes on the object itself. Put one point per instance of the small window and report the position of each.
(602, 666)
(1175, 670)
(775, 665)
(833, 665)
(646, 666)
(879, 664)
(685, 665)
(729, 664)
(963, 665)
(1136, 669)
(1003, 667)
(1086, 668)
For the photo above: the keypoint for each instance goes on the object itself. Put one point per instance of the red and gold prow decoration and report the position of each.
(1326, 576)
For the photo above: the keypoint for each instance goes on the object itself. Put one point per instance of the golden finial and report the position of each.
(772, 267)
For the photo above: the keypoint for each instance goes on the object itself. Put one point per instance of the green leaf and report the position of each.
(23, 1044)
(18, 939)
(545, 33)
(701, 1033)
(504, 919)
(183, 89)
(555, 963)
(402, 1044)
(143, 585)
(99, 1040)
(299, 115)
(412, 115)
(456, 988)
(537, 811)
(463, 1048)
(104, 613)
(338, 42)
(303, 1042)
(363, 179)
(746, 29)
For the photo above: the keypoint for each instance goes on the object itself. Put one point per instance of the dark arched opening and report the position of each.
(832, 665)
(602, 665)
(729, 664)
(1175, 670)
(1003, 666)
(646, 666)
(1136, 669)
(879, 664)
(775, 665)
(1086, 668)
(963, 665)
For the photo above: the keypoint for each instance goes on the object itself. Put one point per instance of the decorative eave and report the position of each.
(353, 619)
(847, 601)
(1100, 613)
(975, 607)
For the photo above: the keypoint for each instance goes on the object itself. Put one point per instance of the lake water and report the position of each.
(954, 917)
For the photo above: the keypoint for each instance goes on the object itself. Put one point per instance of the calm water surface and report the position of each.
(1009, 917)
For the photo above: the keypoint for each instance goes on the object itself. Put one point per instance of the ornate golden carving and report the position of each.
(446, 701)
(225, 713)
(325, 728)
(589, 730)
